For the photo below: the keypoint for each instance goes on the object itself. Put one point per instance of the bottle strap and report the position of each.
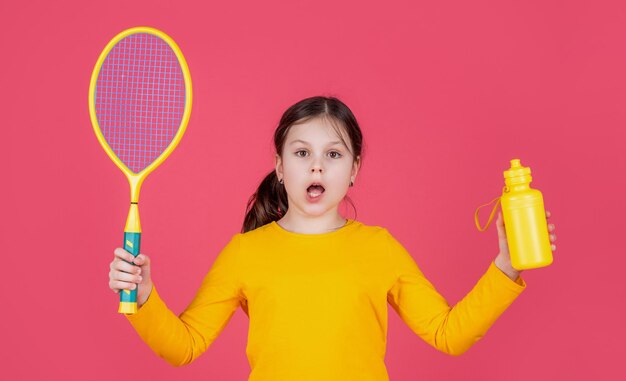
(490, 216)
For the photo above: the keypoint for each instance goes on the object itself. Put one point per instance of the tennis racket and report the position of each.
(139, 103)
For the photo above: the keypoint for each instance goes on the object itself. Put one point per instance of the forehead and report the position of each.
(316, 131)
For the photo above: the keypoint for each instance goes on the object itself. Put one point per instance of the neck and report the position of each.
(311, 225)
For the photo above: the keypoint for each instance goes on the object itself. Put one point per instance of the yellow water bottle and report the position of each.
(524, 219)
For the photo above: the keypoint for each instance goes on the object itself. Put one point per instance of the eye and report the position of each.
(337, 154)
(298, 153)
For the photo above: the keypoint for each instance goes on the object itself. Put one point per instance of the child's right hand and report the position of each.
(126, 276)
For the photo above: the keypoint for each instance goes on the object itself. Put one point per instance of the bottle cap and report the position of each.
(517, 174)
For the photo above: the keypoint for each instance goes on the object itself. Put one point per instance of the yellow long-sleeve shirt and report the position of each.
(317, 304)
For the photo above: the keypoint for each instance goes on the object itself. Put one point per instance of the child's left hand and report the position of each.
(503, 260)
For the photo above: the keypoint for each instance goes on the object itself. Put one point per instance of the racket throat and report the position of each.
(133, 225)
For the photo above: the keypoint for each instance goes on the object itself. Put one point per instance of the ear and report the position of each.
(355, 168)
(279, 166)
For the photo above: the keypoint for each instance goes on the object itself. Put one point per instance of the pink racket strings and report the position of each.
(140, 99)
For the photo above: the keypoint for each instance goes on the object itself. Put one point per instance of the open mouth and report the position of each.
(315, 190)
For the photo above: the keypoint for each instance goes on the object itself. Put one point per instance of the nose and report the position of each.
(316, 166)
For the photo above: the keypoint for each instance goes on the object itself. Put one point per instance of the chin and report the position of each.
(315, 210)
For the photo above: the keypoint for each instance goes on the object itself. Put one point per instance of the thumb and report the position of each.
(142, 260)
(500, 224)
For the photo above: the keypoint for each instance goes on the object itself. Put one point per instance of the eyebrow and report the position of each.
(305, 142)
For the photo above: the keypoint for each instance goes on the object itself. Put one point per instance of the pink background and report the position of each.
(446, 92)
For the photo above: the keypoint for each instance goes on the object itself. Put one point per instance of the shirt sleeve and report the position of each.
(181, 339)
(452, 330)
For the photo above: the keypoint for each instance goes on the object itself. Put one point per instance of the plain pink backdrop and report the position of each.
(446, 92)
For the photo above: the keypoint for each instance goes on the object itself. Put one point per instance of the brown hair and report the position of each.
(269, 203)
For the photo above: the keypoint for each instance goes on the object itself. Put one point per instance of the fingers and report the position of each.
(500, 220)
(117, 285)
(124, 275)
(551, 228)
(122, 280)
(126, 257)
(142, 260)
(548, 215)
(123, 254)
(121, 265)
(552, 238)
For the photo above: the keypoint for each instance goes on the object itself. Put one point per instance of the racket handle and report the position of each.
(128, 298)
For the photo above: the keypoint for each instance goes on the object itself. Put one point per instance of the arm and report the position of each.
(452, 330)
(181, 339)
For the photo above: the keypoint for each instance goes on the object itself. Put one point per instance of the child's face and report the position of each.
(314, 153)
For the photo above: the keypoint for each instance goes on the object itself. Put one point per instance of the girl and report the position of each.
(314, 284)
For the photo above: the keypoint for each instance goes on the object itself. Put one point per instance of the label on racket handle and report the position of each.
(128, 298)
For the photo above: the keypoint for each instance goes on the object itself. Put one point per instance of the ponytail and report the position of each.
(268, 204)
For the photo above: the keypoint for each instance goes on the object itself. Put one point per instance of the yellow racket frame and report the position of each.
(136, 179)
(133, 225)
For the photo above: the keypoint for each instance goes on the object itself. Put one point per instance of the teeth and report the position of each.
(315, 191)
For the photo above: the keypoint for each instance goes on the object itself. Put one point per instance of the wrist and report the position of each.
(506, 268)
(144, 298)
